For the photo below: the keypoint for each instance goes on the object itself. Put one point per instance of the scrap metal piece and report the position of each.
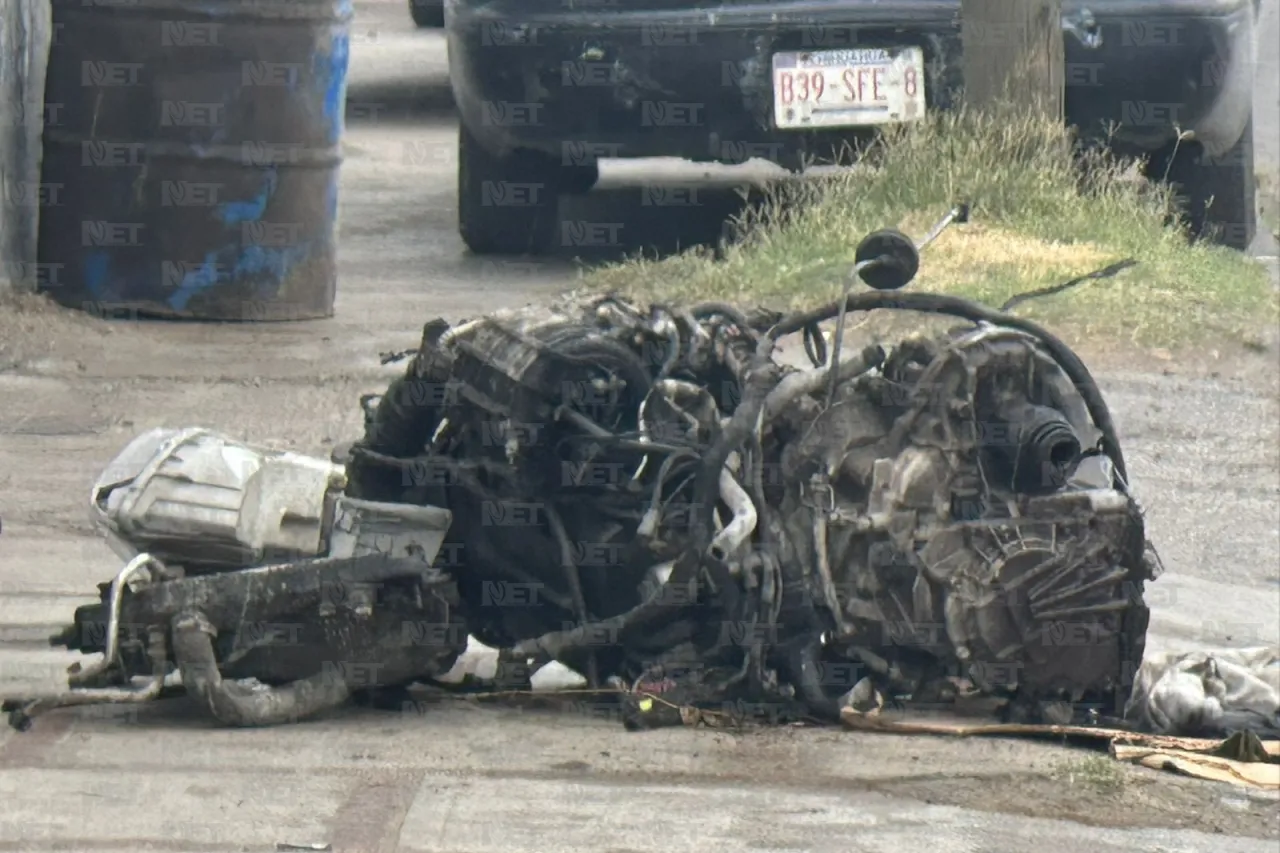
(194, 655)
(197, 498)
(370, 612)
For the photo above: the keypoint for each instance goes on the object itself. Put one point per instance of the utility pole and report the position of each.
(1013, 52)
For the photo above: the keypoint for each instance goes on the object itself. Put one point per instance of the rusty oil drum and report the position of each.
(195, 145)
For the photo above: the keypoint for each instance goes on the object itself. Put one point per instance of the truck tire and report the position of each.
(427, 13)
(531, 183)
(1218, 194)
(526, 224)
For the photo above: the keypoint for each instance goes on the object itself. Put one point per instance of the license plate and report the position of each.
(847, 88)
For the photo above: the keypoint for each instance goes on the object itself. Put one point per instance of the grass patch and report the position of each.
(1038, 218)
(1097, 773)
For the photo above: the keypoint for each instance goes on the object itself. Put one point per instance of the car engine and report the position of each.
(660, 499)
(641, 495)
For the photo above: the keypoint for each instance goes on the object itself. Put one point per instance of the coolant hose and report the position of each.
(807, 672)
(659, 603)
(804, 382)
(728, 541)
(232, 704)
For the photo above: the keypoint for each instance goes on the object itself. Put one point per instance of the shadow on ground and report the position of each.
(405, 99)
(612, 224)
(605, 226)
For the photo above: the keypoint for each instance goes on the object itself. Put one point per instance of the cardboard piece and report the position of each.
(1218, 760)
(1253, 774)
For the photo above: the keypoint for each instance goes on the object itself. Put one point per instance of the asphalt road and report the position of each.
(1202, 450)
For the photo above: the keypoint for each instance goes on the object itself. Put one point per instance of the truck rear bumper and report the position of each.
(611, 82)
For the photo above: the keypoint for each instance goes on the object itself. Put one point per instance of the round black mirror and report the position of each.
(898, 259)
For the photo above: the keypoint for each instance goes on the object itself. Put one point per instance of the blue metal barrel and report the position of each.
(196, 154)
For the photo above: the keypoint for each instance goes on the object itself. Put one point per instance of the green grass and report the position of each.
(1101, 774)
(1038, 218)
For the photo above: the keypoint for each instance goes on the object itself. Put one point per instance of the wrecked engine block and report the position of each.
(659, 499)
(650, 497)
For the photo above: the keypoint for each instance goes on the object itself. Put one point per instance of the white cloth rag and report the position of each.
(1208, 694)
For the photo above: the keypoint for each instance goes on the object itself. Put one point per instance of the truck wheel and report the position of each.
(1218, 194)
(510, 205)
(427, 13)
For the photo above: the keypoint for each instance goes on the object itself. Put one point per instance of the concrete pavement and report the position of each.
(480, 780)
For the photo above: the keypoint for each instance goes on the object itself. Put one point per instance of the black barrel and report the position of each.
(196, 154)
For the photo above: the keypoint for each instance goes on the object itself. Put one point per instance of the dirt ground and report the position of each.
(1202, 437)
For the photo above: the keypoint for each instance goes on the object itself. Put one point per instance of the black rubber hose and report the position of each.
(593, 353)
(807, 674)
(411, 409)
(937, 303)
(231, 704)
(815, 345)
(759, 381)
(406, 415)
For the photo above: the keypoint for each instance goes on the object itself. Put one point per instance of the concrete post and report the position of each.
(1013, 52)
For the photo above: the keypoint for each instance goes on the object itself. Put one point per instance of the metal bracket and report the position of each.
(819, 495)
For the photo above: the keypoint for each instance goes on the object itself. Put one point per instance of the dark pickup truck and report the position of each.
(427, 13)
(547, 88)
